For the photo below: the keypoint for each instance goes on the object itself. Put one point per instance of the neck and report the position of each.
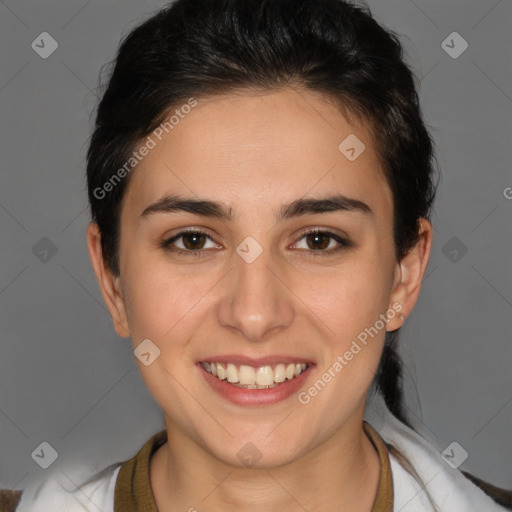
(340, 474)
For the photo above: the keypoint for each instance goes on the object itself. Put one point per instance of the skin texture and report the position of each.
(255, 152)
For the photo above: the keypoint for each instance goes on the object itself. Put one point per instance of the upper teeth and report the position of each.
(250, 376)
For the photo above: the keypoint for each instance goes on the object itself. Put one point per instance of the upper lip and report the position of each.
(255, 362)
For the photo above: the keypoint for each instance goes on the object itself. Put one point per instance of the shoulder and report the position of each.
(79, 490)
(448, 490)
(9, 500)
(502, 496)
(424, 481)
(60, 492)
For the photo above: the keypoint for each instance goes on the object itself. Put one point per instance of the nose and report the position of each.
(256, 301)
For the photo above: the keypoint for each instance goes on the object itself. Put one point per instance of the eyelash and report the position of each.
(167, 244)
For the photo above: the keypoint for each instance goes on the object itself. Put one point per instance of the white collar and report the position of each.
(448, 488)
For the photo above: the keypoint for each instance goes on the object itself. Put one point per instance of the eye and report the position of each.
(192, 244)
(319, 241)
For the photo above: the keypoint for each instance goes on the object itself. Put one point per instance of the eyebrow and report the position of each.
(218, 210)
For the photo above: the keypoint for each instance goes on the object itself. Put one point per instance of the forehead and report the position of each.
(257, 150)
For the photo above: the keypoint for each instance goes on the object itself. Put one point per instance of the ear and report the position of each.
(109, 284)
(409, 274)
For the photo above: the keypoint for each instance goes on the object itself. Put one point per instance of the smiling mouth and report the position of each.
(249, 377)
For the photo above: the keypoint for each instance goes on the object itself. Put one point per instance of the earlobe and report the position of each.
(108, 282)
(409, 274)
(121, 319)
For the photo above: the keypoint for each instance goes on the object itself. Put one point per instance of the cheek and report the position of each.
(351, 303)
(351, 352)
(160, 302)
(351, 298)
(163, 307)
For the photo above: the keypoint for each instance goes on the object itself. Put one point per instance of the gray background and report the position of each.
(66, 377)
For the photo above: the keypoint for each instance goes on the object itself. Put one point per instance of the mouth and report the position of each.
(250, 377)
(250, 382)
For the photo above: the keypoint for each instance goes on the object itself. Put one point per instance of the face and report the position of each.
(269, 287)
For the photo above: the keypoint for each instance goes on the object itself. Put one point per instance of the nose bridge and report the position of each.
(256, 300)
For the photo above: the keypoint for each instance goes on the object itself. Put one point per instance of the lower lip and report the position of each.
(242, 396)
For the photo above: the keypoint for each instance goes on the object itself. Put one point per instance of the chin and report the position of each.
(259, 452)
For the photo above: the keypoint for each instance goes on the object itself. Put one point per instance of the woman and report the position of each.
(261, 182)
